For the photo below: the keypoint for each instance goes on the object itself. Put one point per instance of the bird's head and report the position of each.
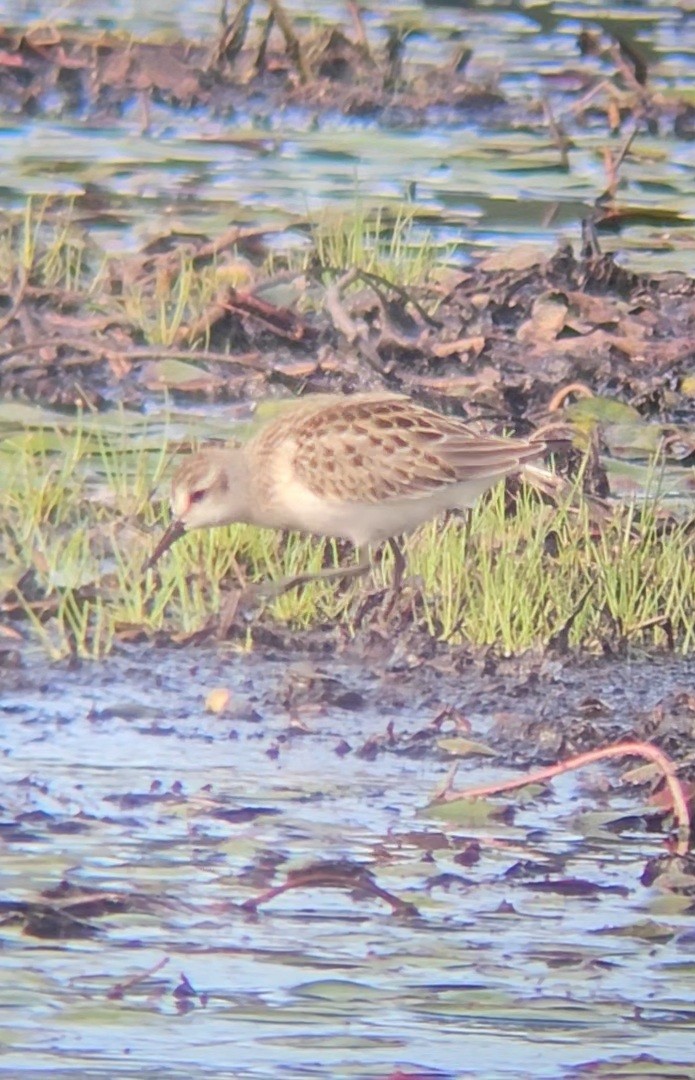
(209, 488)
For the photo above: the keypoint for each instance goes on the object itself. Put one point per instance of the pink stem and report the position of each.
(626, 749)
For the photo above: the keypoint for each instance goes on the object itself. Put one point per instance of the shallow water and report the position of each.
(117, 778)
(476, 180)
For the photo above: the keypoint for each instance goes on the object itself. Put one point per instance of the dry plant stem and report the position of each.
(578, 106)
(377, 279)
(233, 34)
(613, 163)
(235, 604)
(341, 320)
(617, 54)
(16, 302)
(333, 878)
(120, 988)
(155, 352)
(292, 43)
(558, 135)
(626, 749)
(560, 396)
(259, 62)
(355, 11)
(206, 253)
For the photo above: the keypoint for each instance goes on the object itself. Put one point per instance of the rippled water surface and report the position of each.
(543, 954)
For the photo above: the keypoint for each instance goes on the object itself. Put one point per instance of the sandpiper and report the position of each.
(365, 468)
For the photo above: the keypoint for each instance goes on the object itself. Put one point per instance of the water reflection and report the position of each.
(115, 777)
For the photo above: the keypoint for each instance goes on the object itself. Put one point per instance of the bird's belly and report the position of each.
(370, 523)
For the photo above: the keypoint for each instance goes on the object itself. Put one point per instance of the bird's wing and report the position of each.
(372, 448)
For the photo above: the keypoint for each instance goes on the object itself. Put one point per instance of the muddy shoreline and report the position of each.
(532, 709)
(276, 62)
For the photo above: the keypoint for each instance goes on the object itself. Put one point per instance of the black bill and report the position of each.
(171, 535)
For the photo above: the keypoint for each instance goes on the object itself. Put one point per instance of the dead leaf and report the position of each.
(218, 700)
(471, 346)
(548, 317)
(459, 747)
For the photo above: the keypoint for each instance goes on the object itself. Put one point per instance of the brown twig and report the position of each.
(561, 140)
(355, 10)
(334, 875)
(233, 34)
(376, 279)
(281, 320)
(578, 106)
(118, 990)
(613, 162)
(348, 275)
(342, 321)
(560, 396)
(346, 325)
(259, 62)
(235, 236)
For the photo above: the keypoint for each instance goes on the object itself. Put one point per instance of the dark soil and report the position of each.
(505, 336)
(503, 341)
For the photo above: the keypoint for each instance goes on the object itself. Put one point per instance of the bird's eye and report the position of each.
(198, 496)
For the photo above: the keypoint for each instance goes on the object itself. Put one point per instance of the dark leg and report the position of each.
(399, 564)
(240, 601)
(269, 590)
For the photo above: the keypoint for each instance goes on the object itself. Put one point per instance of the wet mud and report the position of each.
(502, 335)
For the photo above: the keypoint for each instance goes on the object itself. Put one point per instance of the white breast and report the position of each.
(296, 507)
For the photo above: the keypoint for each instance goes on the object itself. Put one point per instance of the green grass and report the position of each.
(45, 247)
(175, 297)
(390, 245)
(377, 242)
(83, 499)
(81, 516)
(518, 580)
